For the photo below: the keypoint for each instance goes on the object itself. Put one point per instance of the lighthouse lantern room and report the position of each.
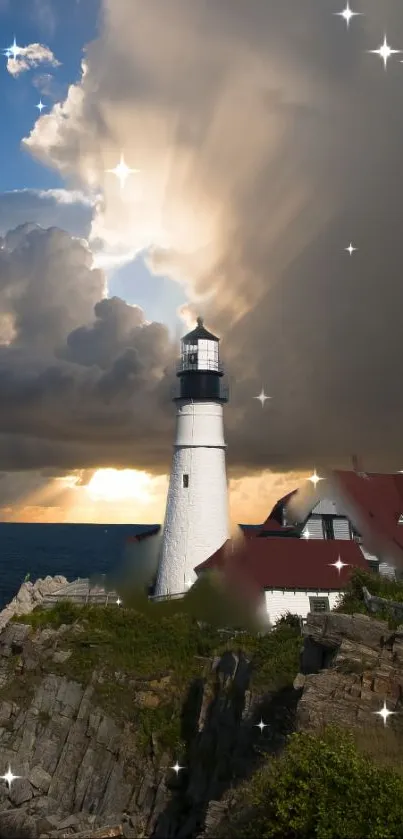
(196, 519)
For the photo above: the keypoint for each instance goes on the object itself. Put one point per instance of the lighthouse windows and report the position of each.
(208, 355)
(189, 357)
(185, 481)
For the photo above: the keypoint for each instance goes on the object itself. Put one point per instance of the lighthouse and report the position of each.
(196, 518)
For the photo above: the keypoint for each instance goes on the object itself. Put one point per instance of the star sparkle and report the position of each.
(118, 602)
(122, 171)
(384, 713)
(176, 768)
(347, 14)
(262, 397)
(339, 564)
(306, 534)
(261, 725)
(351, 249)
(40, 106)
(13, 51)
(9, 777)
(314, 479)
(385, 51)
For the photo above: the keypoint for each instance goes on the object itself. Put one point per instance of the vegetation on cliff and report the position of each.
(142, 663)
(320, 786)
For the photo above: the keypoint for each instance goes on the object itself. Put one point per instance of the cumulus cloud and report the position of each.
(267, 139)
(70, 210)
(29, 57)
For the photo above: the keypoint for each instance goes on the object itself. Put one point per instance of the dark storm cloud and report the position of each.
(292, 134)
(76, 397)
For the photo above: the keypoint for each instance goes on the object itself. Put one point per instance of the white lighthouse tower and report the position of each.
(196, 519)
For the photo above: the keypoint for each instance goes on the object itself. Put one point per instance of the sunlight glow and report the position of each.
(118, 484)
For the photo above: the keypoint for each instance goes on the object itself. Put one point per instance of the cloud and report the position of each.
(70, 210)
(83, 378)
(48, 86)
(30, 57)
(267, 139)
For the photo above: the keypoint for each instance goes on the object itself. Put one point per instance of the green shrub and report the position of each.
(289, 619)
(320, 787)
(352, 601)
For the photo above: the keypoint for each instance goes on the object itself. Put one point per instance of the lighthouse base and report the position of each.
(158, 598)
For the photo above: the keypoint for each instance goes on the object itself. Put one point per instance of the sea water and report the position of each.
(73, 550)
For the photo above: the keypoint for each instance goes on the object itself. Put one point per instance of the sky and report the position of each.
(266, 137)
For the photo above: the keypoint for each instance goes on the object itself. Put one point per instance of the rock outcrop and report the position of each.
(350, 666)
(29, 596)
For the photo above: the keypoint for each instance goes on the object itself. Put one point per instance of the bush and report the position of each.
(321, 786)
(352, 601)
(289, 619)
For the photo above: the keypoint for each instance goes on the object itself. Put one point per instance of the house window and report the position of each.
(313, 528)
(319, 604)
(185, 480)
(373, 565)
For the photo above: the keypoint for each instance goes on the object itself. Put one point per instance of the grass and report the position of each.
(382, 744)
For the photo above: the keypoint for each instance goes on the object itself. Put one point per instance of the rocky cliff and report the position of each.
(84, 769)
(29, 596)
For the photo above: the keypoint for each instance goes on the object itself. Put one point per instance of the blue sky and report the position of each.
(65, 27)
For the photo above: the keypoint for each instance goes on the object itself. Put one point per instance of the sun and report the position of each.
(120, 484)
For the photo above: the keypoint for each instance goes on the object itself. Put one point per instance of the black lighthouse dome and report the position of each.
(199, 368)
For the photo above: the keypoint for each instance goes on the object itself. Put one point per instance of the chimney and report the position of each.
(358, 467)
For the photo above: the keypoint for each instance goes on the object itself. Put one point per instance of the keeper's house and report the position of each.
(301, 558)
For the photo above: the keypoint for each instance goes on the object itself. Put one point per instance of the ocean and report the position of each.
(74, 550)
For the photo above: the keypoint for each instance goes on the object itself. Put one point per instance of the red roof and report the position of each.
(374, 503)
(289, 563)
(277, 511)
